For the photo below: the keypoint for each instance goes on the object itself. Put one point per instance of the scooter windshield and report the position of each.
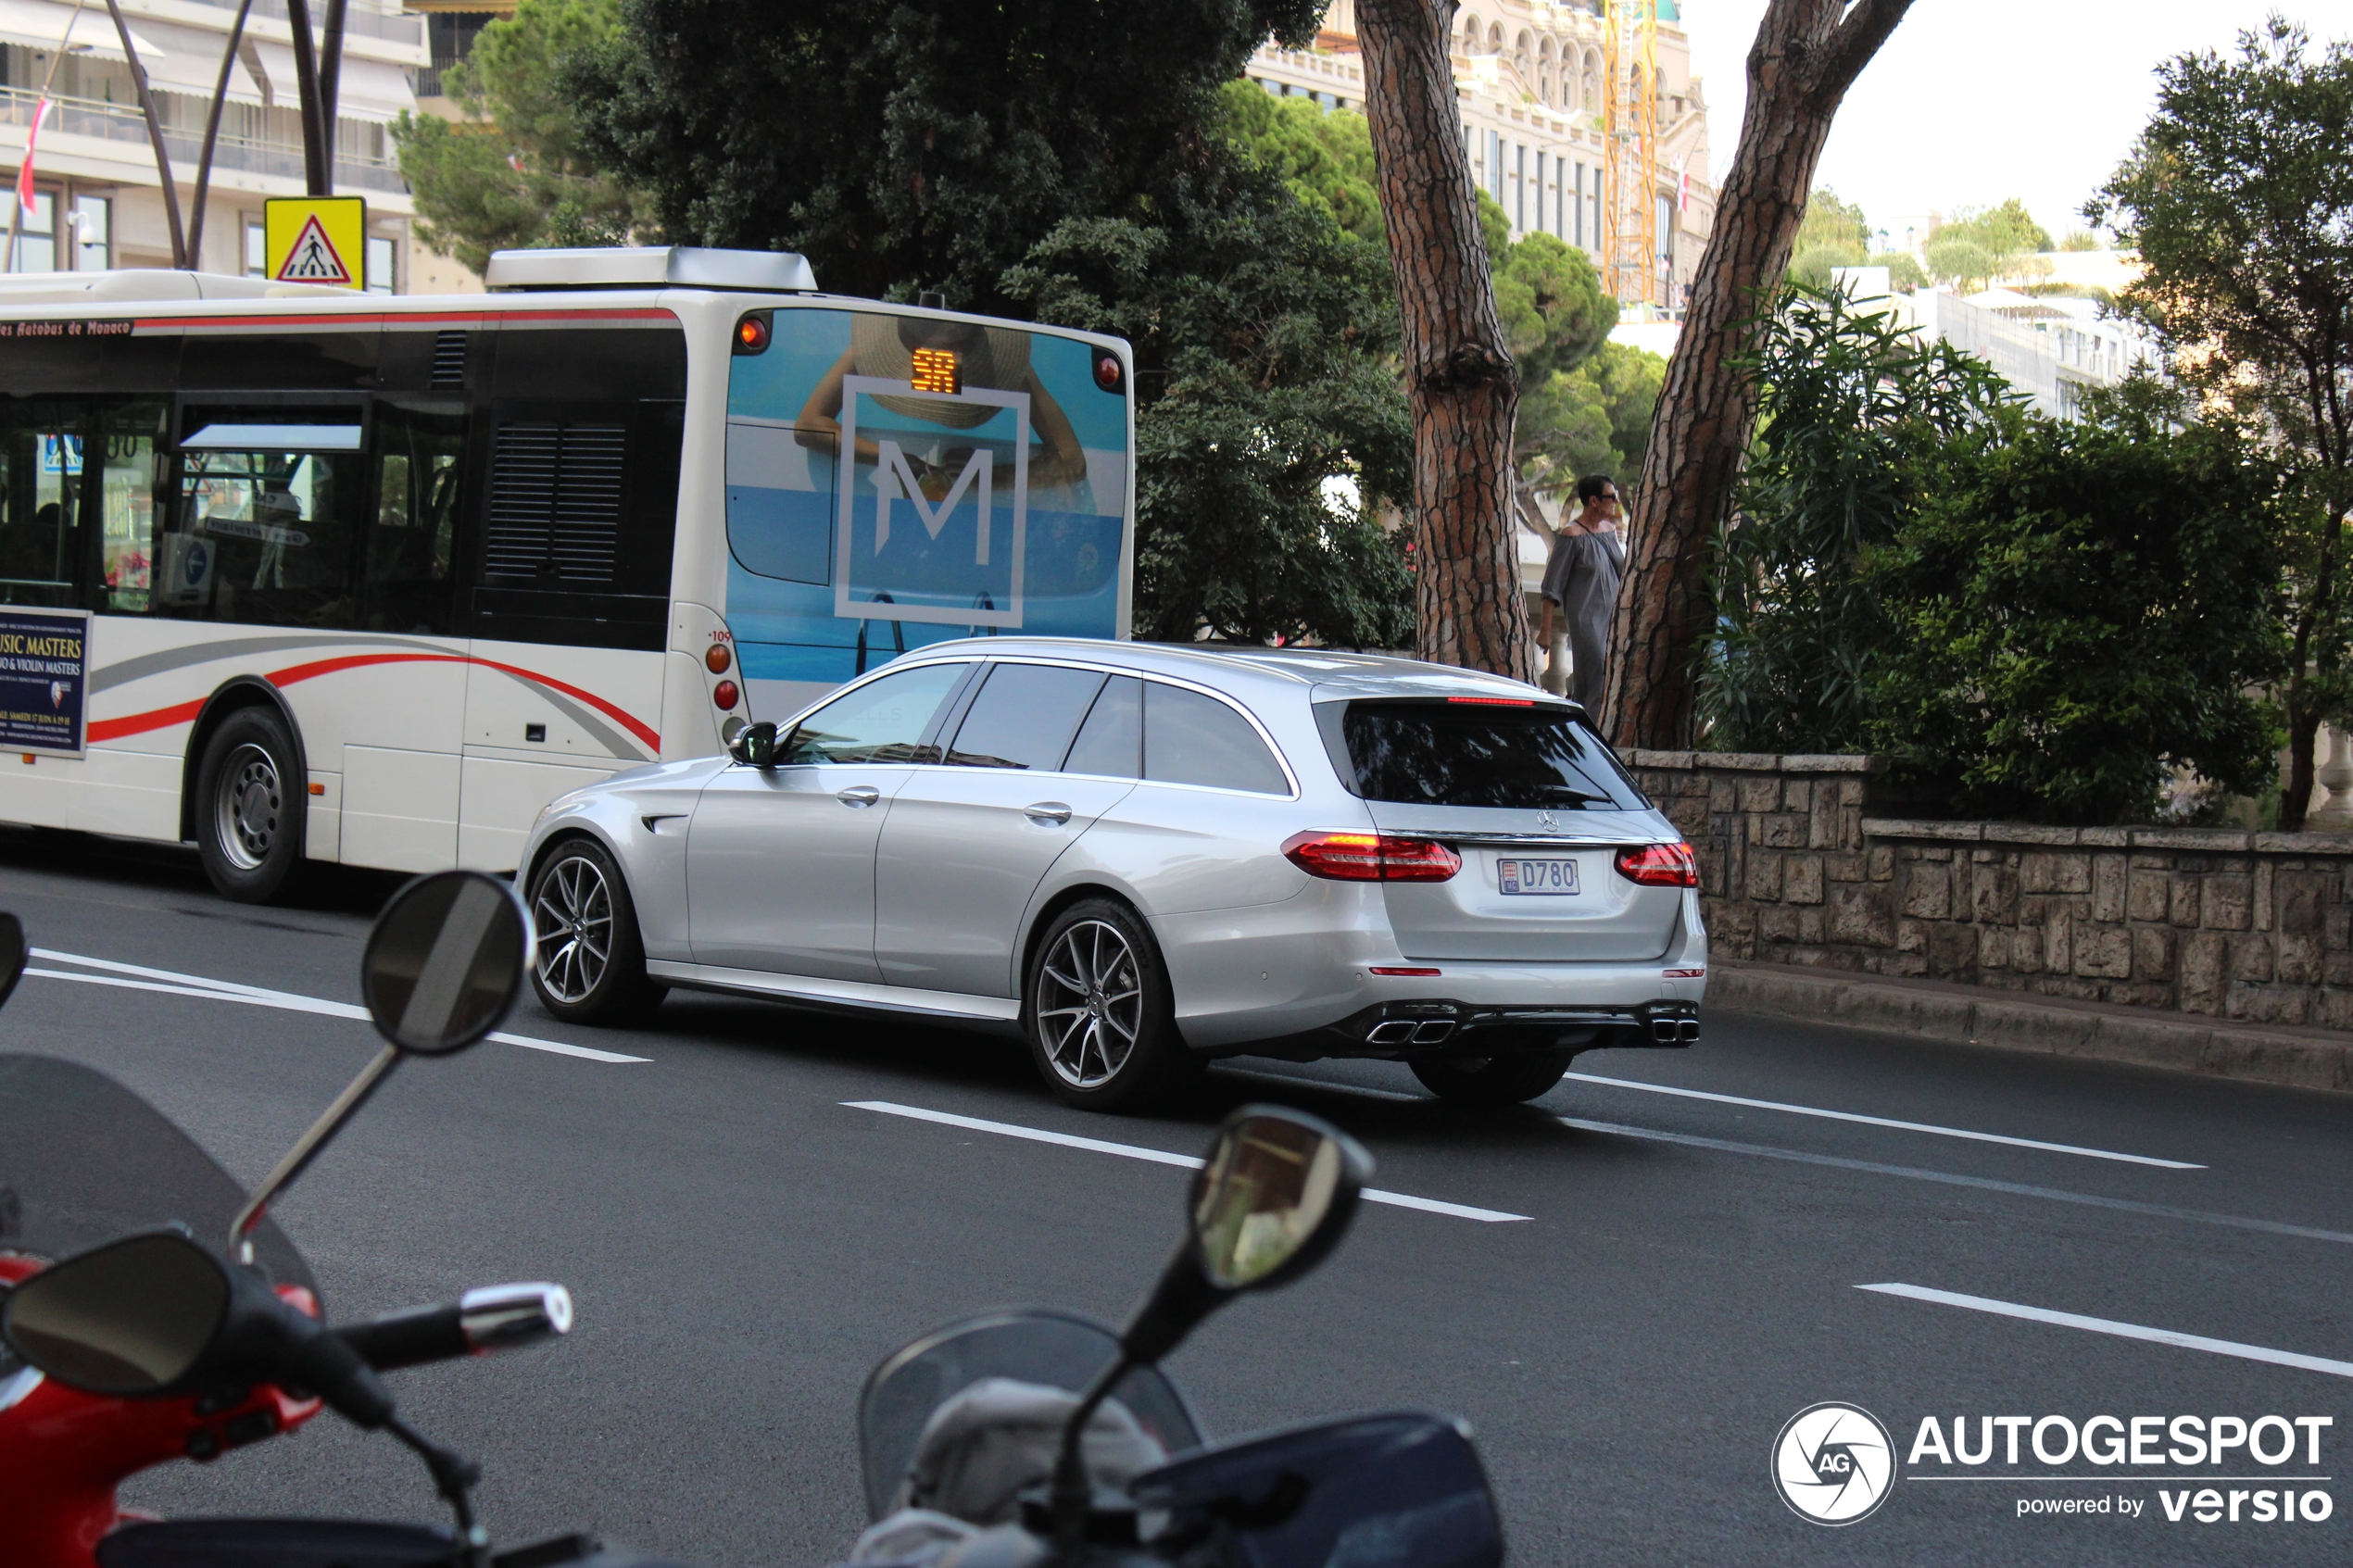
(84, 1161)
(1058, 1349)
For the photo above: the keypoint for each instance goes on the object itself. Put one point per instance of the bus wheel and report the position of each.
(250, 807)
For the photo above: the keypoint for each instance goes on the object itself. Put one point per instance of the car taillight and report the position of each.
(1370, 857)
(1660, 865)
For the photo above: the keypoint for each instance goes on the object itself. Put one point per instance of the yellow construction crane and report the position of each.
(1630, 183)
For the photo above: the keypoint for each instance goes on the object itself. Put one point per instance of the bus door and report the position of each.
(400, 754)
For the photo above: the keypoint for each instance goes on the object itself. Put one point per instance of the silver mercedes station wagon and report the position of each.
(1140, 857)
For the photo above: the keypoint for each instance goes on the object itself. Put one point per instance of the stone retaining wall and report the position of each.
(1807, 861)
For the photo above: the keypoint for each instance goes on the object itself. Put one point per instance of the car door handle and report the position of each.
(1046, 811)
(858, 794)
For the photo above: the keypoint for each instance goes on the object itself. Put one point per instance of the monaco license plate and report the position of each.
(1516, 876)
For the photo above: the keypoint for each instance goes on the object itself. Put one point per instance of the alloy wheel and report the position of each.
(573, 916)
(1090, 1003)
(247, 805)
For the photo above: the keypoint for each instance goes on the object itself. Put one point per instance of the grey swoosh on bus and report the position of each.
(599, 730)
(124, 671)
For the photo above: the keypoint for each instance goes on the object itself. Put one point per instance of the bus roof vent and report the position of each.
(644, 267)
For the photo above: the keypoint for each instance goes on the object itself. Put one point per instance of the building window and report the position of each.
(93, 234)
(1519, 186)
(256, 249)
(36, 235)
(1580, 206)
(1495, 165)
(1539, 187)
(380, 277)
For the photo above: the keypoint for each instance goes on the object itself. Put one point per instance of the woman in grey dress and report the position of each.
(1581, 586)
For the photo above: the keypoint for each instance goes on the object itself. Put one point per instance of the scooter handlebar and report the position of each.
(495, 1317)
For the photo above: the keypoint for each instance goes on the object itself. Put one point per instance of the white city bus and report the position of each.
(303, 573)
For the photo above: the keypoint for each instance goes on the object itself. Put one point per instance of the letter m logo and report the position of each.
(896, 481)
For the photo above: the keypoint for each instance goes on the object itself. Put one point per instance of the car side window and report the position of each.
(881, 722)
(1193, 739)
(1111, 741)
(1023, 717)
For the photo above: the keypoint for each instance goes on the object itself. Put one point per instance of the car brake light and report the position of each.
(1369, 856)
(1495, 701)
(1660, 865)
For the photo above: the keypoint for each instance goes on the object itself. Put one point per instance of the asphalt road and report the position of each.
(745, 1238)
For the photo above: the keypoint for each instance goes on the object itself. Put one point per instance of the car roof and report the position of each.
(1325, 672)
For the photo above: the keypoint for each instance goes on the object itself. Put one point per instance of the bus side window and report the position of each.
(126, 501)
(263, 538)
(40, 497)
(420, 464)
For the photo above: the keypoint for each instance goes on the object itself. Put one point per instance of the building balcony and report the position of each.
(124, 123)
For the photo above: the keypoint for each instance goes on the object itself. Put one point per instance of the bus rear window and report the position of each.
(1436, 753)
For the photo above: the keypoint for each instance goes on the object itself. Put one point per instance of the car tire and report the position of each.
(1501, 1080)
(589, 959)
(251, 804)
(1099, 1015)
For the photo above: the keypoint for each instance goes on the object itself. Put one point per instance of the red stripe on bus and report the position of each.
(388, 318)
(161, 719)
(185, 712)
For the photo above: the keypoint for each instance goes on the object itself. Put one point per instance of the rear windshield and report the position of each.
(1433, 752)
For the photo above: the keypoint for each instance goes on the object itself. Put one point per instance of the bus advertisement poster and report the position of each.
(44, 657)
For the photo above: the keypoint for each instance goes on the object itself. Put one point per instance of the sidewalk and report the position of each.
(2304, 1058)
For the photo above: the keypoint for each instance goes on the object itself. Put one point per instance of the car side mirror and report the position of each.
(757, 743)
(13, 953)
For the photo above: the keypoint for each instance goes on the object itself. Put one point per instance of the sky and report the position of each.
(1973, 101)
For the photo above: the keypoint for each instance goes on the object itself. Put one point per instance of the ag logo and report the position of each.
(1833, 1463)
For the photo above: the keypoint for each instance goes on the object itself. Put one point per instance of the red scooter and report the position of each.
(150, 1310)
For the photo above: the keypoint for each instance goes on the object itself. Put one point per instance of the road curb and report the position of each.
(2304, 1058)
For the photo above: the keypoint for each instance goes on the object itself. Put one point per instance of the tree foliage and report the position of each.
(1595, 418)
(904, 145)
(1269, 425)
(1833, 233)
(2076, 607)
(516, 176)
(1849, 404)
(1324, 157)
(2236, 198)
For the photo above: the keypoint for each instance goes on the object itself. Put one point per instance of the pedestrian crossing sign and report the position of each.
(316, 240)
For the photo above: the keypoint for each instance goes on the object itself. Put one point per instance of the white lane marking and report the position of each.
(174, 984)
(1157, 1156)
(2121, 1330)
(1984, 1184)
(1886, 1122)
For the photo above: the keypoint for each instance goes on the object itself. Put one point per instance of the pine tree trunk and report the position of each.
(1807, 53)
(1460, 381)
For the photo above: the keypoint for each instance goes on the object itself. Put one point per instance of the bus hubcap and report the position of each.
(249, 804)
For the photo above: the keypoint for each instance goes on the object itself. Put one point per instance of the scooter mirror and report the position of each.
(1276, 1191)
(444, 963)
(13, 953)
(132, 1318)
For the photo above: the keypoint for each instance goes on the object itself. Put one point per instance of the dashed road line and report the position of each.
(140, 977)
(1947, 1178)
(2121, 1330)
(1887, 1122)
(1157, 1156)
